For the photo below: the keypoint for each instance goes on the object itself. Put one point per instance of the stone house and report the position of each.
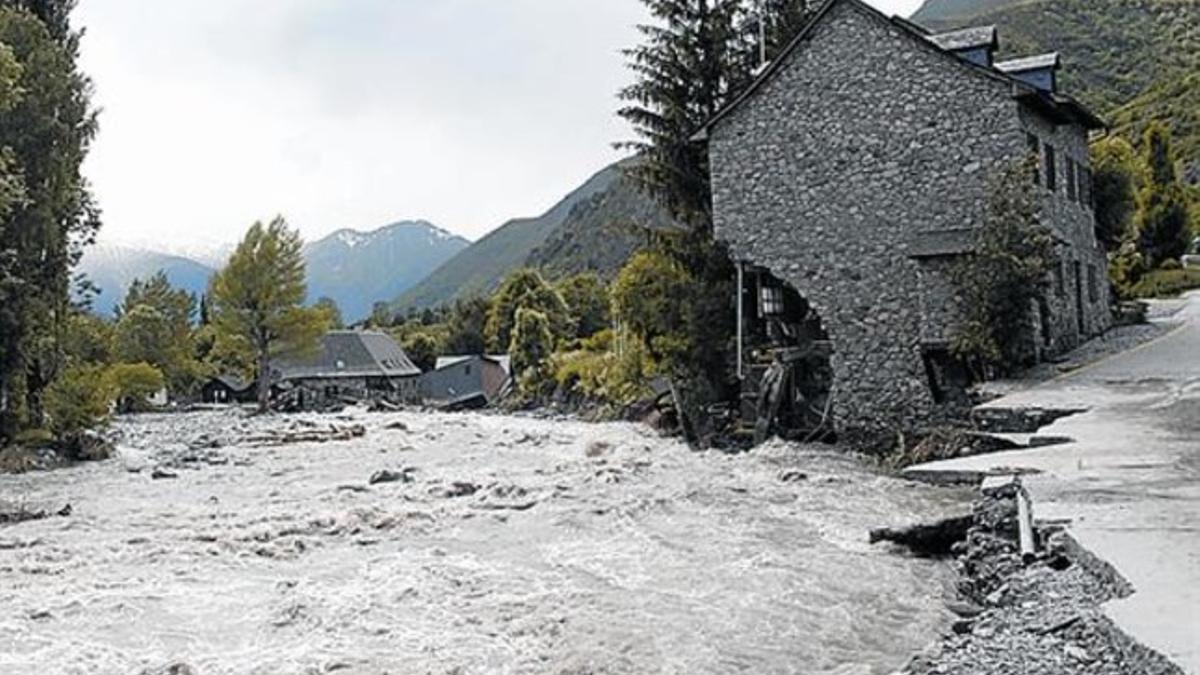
(854, 172)
(348, 365)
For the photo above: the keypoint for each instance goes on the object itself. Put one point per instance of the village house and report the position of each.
(853, 173)
(348, 366)
(469, 381)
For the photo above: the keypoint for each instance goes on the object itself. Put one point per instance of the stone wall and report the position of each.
(864, 138)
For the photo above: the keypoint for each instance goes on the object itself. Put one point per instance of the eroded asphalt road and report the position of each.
(504, 545)
(1130, 483)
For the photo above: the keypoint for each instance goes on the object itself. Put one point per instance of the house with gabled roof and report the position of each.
(349, 365)
(850, 177)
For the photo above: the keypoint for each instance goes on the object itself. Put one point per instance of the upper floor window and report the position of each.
(1072, 184)
(1035, 152)
(1093, 285)
(1051, 169)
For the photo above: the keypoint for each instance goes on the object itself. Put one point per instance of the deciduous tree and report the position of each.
(1115, 171)
(258, 296)
(524, 289)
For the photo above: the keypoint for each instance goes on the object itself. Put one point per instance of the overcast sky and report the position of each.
(349, 113)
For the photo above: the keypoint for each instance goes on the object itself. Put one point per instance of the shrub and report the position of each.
(1164, 283)
(601, 372)
(133, 384)
(1170, 264)
(80, 399)
(530, 349)
(1001, 280)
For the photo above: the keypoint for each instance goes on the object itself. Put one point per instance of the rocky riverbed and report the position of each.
(414, 543)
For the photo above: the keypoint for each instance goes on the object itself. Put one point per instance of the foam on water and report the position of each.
(586, 549)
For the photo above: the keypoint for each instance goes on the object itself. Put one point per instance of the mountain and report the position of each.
(358, 269)
(593, 227)
(1132, 61)
(112, 268)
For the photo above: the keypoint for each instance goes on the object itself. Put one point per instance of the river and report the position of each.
(515, 546)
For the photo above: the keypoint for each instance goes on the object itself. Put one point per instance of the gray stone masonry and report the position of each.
(863, 138)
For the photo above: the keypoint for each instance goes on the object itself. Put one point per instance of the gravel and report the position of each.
(1041, 618)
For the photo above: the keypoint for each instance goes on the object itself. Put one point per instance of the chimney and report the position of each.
(1039, 71)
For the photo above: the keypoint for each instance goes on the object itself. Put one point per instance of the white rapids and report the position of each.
(519, 546)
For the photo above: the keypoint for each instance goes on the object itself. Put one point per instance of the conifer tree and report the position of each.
(44, 136)
(1162, 219)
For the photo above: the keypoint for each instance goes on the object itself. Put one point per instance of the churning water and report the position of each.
(518, 546)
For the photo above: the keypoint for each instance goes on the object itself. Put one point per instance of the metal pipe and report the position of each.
(1025, 525)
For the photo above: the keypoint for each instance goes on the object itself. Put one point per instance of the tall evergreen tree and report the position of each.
(1162, 219)
(687, 68)
(46, 133)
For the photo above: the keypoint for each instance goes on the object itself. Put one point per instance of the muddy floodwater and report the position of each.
(502, 545)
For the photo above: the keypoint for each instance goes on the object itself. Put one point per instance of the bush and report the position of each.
(79, 400)
(133, 384)
(1165, 283)
(1171, 264)
(530, 349)
(600, 372)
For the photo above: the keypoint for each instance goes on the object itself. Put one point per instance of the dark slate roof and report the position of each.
(933, 243)
(967, 38)
(350, 354)
(1028, 63)
(1070, 108)
(233, 382)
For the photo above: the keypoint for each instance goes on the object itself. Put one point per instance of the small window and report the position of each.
(1051, 169)
(1085, 187)
(772, 301)
(1060, 279)
(467, 370)
(1072, 191)
(1093, 285)
(1035, 152)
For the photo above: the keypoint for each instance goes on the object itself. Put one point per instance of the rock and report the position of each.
(388, 476)
(1078, 653)
(92, 447)
(397, 426)
(457, 489)
(160, 473)
(962, 626)
(598, 449)
(927, 538)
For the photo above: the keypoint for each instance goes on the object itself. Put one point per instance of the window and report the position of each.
(1035, 152)
(1051, 169)
(1072, 191)
(467, 370)
(1060, 279)
(1085, 187)
(772, 301)
(1093, 285)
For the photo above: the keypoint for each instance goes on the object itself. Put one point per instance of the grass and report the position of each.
(1166, 283)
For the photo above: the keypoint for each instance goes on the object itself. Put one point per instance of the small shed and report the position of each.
(227, 389)
(466, 381)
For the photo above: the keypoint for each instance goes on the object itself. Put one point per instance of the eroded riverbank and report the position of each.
(500, 545)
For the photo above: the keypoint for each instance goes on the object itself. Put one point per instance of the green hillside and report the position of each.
(1132, 61)
(596, 227)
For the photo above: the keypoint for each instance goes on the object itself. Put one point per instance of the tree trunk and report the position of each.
(264, 381)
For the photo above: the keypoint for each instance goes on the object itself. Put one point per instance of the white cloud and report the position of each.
(349, 112)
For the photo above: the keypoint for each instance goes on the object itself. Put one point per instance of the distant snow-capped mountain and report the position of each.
(358, 269)
(113, 267)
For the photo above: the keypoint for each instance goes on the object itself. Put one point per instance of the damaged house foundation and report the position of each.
(850, 177)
